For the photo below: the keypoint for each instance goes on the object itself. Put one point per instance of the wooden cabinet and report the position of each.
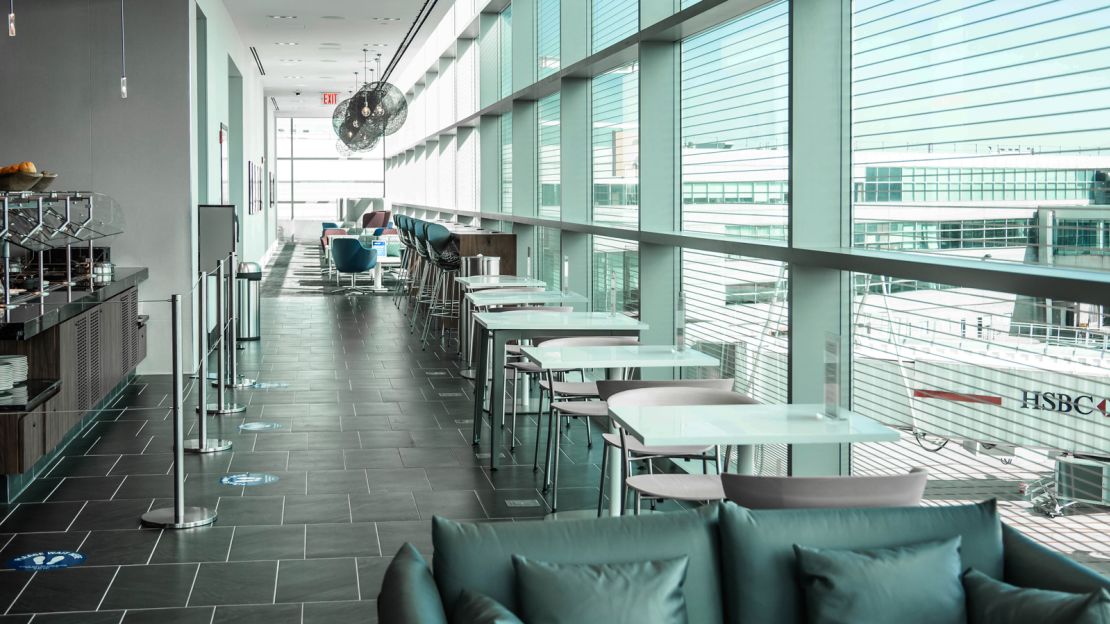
(90, 354)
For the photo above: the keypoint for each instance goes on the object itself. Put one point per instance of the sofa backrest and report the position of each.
(479, 556)
(759, 573)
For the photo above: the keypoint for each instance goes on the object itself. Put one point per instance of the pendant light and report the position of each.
(11, 18)
(123, 52)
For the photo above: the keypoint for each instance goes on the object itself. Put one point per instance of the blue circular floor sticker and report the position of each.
(49, 560)
(259, 426)
(248, 479)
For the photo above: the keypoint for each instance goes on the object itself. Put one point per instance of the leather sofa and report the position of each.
(741, 561)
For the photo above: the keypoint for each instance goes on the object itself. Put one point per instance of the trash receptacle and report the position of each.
(248, 287)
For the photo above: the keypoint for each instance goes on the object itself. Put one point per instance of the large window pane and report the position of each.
(616, 147)
(987, 376)
(507, 163)
(736, 311)
(505, 50)
(735, 123)
(982, 125)
(550, 268)
(547, 37)
(616, 263)
(548, 158)
(614, 20)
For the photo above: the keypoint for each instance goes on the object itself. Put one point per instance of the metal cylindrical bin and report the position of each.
(248, 289)
(480, 265)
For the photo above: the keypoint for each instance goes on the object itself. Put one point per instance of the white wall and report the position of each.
(69, 118)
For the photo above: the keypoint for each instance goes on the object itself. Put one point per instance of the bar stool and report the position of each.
(404, 271)
(443, 250)
(422, 291)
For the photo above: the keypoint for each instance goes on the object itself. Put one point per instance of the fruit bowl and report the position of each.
(19, 181)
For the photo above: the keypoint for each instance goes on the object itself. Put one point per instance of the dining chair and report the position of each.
(352, 257)
(773, 492)
(325, 249)
(637, 451)
(682, 487)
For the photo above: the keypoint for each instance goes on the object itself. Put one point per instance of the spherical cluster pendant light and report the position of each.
(374, 111)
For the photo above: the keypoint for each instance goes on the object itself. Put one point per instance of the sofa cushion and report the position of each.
(917, 584)
(479, 556)
(991, 601)
(759, 578)
(475, 608)
(638, 591)
(408, 591)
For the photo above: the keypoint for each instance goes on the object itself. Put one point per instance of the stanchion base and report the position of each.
(211, 445)
(242, 383)
(166, 518)
(230, 408)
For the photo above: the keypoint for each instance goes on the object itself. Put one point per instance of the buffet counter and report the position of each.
(82, 347)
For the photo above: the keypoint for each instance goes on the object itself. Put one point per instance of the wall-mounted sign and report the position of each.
(48, 560)
(331, 99)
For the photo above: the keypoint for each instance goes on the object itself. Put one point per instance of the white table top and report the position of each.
(497, 296)
(747, 424)
(625, 356)
(557, 321)
(389, 260)
(499, 280)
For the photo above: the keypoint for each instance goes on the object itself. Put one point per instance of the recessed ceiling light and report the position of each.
(283, 17)
(379, 45)
(327, 60)
(289, 60)
(287, 43)
(293, 77)
(332, 17)
(330, 45)
(327, 77)
(385, 19)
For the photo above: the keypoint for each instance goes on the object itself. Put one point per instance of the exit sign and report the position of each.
(331, 99)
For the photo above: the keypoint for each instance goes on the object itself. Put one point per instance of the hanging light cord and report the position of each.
(11, 18)
(417, 24)
(123, 50)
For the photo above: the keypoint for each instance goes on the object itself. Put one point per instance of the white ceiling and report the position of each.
(329, 36)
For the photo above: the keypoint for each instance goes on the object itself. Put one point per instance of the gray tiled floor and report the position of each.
(368, 449)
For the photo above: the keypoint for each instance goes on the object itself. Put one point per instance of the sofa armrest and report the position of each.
(409, 594)
(1028, 564)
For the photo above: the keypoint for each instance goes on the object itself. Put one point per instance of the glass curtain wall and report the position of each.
(973, 132)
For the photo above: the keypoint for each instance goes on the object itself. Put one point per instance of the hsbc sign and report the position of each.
(1064, 403)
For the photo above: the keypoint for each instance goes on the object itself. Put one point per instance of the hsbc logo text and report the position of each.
(1083, 404)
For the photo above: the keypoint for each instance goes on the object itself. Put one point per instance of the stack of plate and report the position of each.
(18, 365)
(7, 377)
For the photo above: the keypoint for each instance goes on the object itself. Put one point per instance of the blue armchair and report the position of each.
(352, 257)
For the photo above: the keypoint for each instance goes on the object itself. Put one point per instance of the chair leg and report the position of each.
(555, 473)
(637, 500)
(601, 485)
(432, 309)
(589, 433)
(512, 396)
(552, 431)
(539, 426)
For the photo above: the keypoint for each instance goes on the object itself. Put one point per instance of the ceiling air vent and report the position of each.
(258, 61)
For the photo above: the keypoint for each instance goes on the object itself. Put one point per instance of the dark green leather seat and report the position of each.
(741, 562)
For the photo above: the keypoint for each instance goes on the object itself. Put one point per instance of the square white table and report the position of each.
(748, 425)
(610, 358)
(501, 327)
(499, 281)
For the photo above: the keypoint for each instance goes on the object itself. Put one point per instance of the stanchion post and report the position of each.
(179, 516)
(222, 406)
(234, 380)
(203, 444)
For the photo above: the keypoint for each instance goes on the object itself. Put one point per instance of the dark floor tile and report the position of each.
(197, 615)
(146, 486)
(287, 483)
(458, 479)
(459, 505)
(327, 541)
(371, 571)
(331, 612)
(315, 460)
(323, 508)
(116, 514)
(250, 510)
(208, 543)
(149, 464)
(337, 482)
(26, 543)
(11, 583)
(397, 479)
(435, 439)
(427, 458)
(259, 462)
(151, 586)
(84, 466)
(373, 458)
(391, 535)
(16, 619)
(69, 589)
(83, 617)
(29, 517)
(119, 547)
(240, 582)
(319, 580)
(386, 439)
(384, 506)
(307, 441)
(257, 543)
(258, 614)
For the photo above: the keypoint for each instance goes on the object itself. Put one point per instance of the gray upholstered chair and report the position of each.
(636, 450)
(683, 487)
(755, 492)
